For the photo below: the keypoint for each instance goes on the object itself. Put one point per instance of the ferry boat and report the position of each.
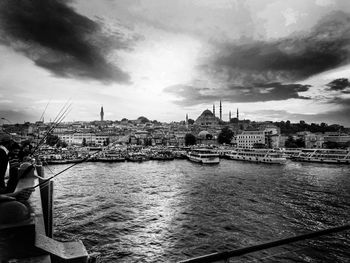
(323, 156)
(137, 157)
(257, 155)
(288, 152)
(204, 156)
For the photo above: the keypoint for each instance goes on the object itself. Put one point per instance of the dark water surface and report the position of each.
(169, 211)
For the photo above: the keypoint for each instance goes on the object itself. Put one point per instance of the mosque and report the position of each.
(208, 118)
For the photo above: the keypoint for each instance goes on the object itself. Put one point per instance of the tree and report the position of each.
(300, 143)
(331, 145)
(52, 140)
(291, 143)
(190, 121)
(62, 144)
(84, 142)
(209, 136)
(190, 139)
(225, 136)
(143, 119)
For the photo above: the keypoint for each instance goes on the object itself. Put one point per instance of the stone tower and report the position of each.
(102, 113)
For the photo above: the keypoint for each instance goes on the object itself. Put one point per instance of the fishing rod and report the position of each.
(42, 115)
(53, 126)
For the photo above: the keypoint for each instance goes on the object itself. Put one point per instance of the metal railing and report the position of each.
(242, 251)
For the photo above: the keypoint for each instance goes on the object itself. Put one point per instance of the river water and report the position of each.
(173, 210)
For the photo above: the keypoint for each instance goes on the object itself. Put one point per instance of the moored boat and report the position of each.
(204, 156)
(335, 156)
(137, 157)
(62, 161)
(257, 155)
(110, 159)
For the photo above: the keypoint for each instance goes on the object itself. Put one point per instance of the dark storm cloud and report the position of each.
(57, 38)
(190, 95)
(290, 59)
(267, 92)
(339, 84)
(332, 116)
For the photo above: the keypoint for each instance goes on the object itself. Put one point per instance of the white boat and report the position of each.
(204, 156)
(257, 155)
(288, 152)
(324, 156)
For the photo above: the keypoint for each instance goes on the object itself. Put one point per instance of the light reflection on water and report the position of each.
(169, 211)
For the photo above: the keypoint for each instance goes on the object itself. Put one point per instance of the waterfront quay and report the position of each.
(121, 153)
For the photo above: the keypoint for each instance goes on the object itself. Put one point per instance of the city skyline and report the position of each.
(274, 60)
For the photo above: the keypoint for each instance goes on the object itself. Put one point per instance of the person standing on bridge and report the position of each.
(9, 151)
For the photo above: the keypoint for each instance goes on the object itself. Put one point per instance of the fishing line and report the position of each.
(45, 181)
(52, 127)
(42, 115)
(69, 167)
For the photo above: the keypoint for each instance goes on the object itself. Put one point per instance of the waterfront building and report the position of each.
(77, 138)
(247, 139)
(341, 139)
(314, 140)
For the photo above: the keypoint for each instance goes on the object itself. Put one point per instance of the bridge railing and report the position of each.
(31, 239)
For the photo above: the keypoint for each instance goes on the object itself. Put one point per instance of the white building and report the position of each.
(78, 137)
(247, 139)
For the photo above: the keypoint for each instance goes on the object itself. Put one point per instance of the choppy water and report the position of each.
(170, 211)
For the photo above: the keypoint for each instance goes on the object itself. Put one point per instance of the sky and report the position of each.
(162, 59)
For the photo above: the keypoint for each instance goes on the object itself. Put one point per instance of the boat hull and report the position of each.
(258, 159)
(317, 160)
(213, 160)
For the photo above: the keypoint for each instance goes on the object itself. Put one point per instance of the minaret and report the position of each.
(102, 113)
(229, 116)
(220, 111)
(214, 110)
(237, 113)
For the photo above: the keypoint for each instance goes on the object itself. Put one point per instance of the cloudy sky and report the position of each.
(272, 59)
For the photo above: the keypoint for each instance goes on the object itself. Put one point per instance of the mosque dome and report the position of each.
(207, 118)
(207, 113)
(203, 134)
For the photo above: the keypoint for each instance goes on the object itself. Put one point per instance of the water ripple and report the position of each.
(170, 211)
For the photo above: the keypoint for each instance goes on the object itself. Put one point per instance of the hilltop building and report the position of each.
(207, 118)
